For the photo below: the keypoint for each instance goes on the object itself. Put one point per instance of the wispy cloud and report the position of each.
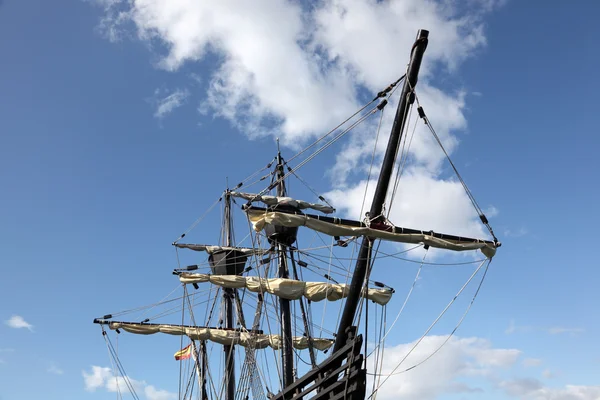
(16, 321)
(165, 105)
(53, 369)
(558, 330)
(514, 328)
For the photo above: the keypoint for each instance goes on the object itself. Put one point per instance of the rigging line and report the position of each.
(381, 354)
(164, 312)
(482, 216)
(328, 272)
(331, 255)
(320, 150)
(190, 385)
(362, 206)
(392, 87)
(430, 327)
(265, 301)
(347, 274)
(403, 160)
(175, 309)
(171, 311)
(434, 263)
(405, 300)
(374, 151)
(273, 315)
(198, 220)
(333, 130)
(132, 310)
(112, 364)
(320, 258)
(119, 365)
(194, 370)
(309, 187)
(331, 142)
(255, 182)
(457, 325)
(371, 257)
(181, 337)
(256, 173)
(141, 317)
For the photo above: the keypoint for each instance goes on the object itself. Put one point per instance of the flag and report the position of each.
(184, 353)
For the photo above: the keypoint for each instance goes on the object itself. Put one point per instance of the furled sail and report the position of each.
(210, 249)
(221, 336)
(340, 227)
(273, 200)
(286, 288)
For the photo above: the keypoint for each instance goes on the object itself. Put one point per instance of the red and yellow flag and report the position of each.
(184, 353)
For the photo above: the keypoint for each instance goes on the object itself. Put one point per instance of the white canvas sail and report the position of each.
(287, 288)
(260, 218)
(222, 336)
(274, 200)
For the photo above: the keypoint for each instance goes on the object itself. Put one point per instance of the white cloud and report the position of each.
(53, 369)
(16, 321)
(154, 394)
(97, 378)
(460, 363)
(532, 389)
(296, 72)
(103, 378)
(460, 358)
(166, 104)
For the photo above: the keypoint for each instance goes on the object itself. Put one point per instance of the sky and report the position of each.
(120, 122)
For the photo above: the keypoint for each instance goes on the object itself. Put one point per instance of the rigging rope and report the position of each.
(379, 95)
(405, 300)
(429, 329)
(482, 216)
(457, 325)
(119, 365)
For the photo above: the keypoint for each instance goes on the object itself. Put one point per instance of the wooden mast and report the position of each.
(364, 256)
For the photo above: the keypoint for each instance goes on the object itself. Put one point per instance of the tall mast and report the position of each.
(364, 256)
(287, 360)
(228, 294)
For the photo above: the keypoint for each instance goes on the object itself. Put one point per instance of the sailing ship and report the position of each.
(267, 318)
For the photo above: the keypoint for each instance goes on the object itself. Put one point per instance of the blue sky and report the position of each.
(109, 149)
